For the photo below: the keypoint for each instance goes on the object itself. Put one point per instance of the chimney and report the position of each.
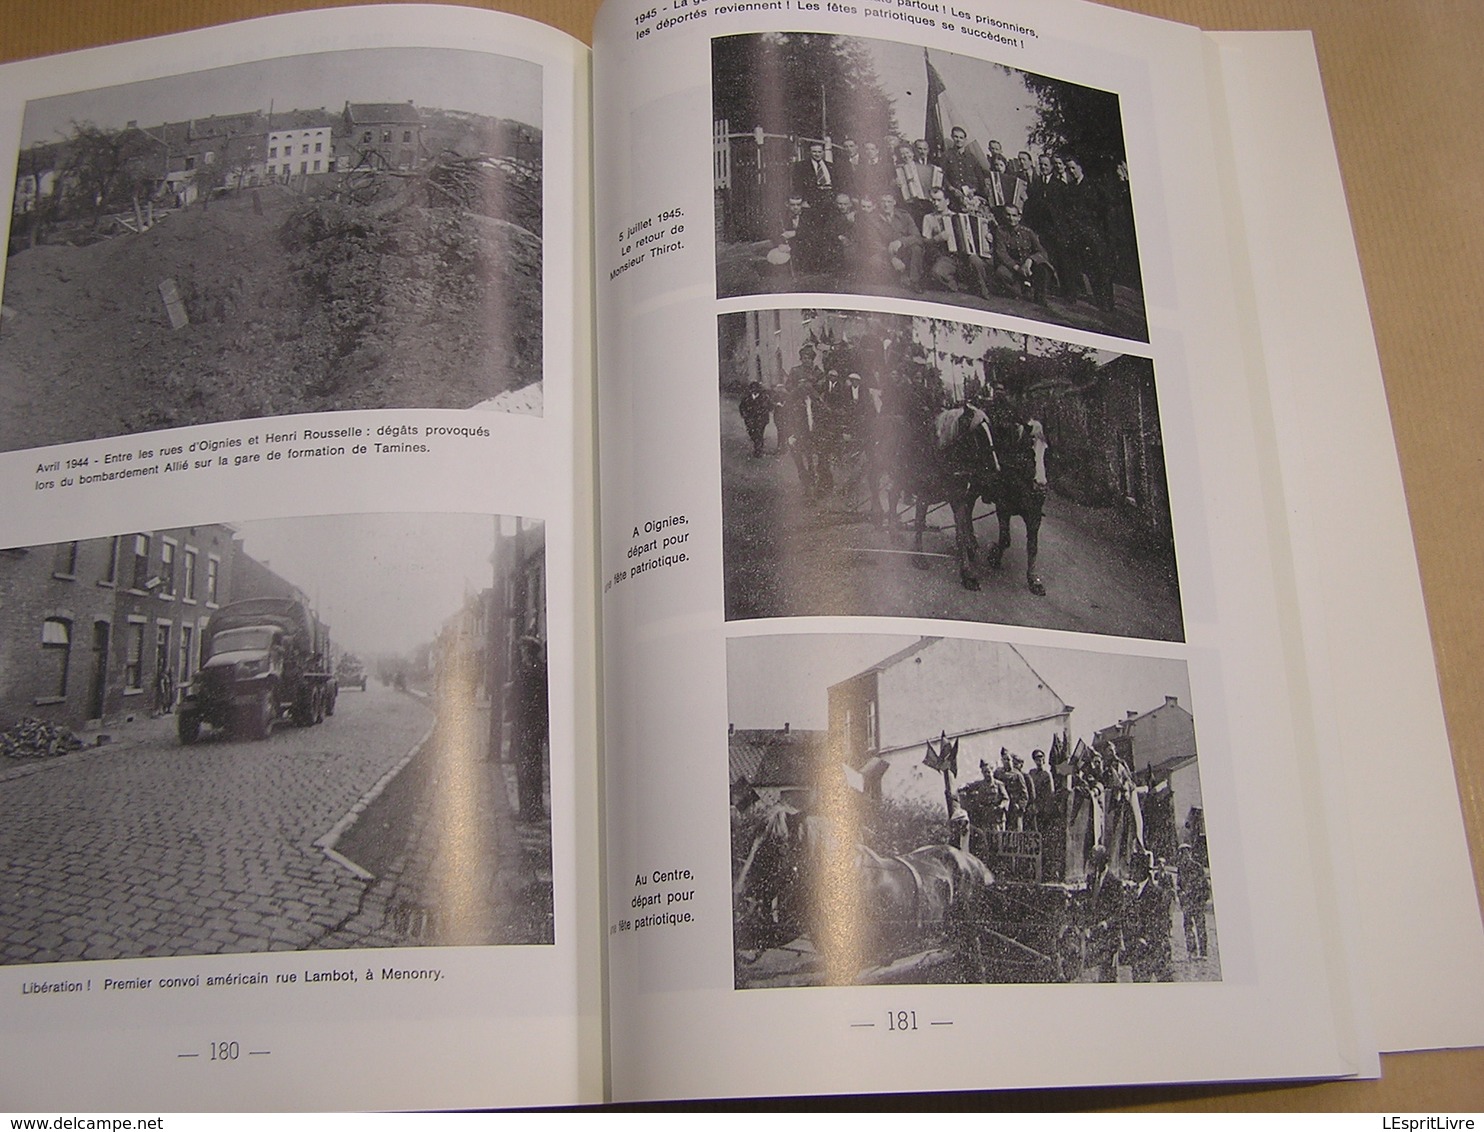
(1172, 701)
(1131, 714)
(785, 727)
(731, 730)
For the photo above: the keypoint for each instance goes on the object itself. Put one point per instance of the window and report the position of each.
(406, 136)
(386, 137)
(303, 167)
(56, 650)
(316, 166)
(871, 742)
(319, 147)
(213, 573)
(366, 137)
(272, 152)
(272, 170)
(188, 590)
(134, 657)
(65, 563)
(110, 568)
(140, 577)
(304, 148)
(167, 568)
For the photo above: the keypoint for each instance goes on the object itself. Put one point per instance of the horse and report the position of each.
(947, 458)
(1018, 487)
(798, 875)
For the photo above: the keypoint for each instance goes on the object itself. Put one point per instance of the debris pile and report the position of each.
(31, 738)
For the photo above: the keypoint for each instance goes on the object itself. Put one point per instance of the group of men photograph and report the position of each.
(892, 214)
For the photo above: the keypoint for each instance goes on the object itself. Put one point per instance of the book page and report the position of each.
(296, 689)
(956, 701)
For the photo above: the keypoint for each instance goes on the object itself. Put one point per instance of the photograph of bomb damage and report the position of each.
(884, 465)
(935, 810)
(275, 736)
(348, 230)
(854, 165)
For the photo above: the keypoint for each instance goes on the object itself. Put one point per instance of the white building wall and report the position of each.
(983, 691)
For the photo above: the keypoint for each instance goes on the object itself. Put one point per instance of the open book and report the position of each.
(806, 548)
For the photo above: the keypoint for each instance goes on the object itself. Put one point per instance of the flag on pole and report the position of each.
(942, 757)
(932, 129)
(942, 116)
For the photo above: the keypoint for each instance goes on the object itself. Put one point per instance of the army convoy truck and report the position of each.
(262, 660)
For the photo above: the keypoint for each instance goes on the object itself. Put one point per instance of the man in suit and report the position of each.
(813, 178)
(1085, 236)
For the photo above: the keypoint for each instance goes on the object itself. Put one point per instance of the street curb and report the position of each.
(326, 844)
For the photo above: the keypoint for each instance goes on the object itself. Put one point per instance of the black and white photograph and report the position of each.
(895, 466)
(277, 735)
(936, 810)
(345, 230)
(845, 164)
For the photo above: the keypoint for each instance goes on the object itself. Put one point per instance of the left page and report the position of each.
(297, 802)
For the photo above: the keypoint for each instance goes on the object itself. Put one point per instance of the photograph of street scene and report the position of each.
(863, 166)
(348, 230)
(277, 735)
(931, 810)
(883, 465)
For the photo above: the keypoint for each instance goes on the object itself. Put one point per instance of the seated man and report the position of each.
(952, 247)
(902, 244)
(1021, 263)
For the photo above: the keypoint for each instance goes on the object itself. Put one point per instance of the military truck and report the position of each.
(262, 660)
(350, 672)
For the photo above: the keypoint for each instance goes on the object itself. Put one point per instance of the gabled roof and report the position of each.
(775, 758)
(366, 113)
(302, 120)
(900, 655)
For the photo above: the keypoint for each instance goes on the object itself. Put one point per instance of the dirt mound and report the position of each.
(87, 348)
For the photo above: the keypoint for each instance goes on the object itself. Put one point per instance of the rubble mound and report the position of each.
(88, 348)
(31, 738)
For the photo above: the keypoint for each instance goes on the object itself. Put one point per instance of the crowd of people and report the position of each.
(1092, 795)
(828, 411)
(894, 214)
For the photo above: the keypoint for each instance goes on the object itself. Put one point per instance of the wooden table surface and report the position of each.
(1401, 77)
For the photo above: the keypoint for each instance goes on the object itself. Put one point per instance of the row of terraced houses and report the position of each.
(255, 147)
(100, 629)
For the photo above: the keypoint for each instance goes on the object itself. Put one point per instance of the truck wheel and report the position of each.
(187, 727)
(257, 718)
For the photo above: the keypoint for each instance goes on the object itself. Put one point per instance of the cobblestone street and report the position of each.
(143, 847)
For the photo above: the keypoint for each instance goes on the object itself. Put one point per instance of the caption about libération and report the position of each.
(188, 981)
(109, 461)
(980, 26)
(662, 898)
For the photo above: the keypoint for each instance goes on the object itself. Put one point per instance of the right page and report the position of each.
(960, 721)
